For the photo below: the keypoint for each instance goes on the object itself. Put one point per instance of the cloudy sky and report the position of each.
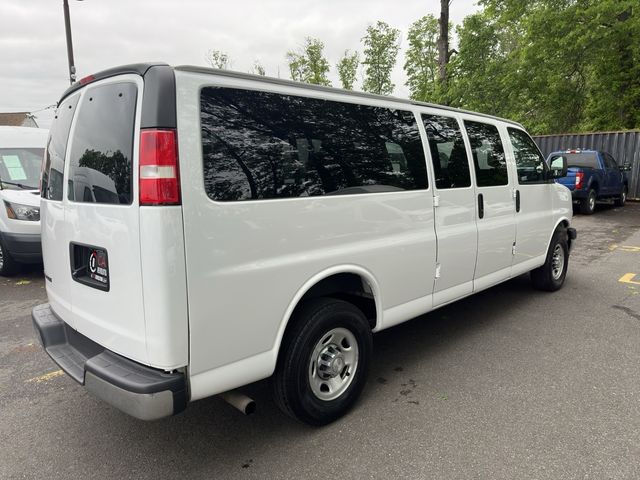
(106, 33)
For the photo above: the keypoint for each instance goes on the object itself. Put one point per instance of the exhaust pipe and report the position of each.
(239, 401)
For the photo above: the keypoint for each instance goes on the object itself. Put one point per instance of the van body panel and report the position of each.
(55, 257)
(163, 286)
(245, 246)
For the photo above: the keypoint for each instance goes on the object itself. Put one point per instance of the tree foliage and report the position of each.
(258, 68)
(309, 64)
(218, 59)
(381, 46)
(347, 69)
(421, 59)
(554, 65)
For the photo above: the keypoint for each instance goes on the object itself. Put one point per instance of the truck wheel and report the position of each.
(323, 362)
(588, 205)
(8, 265)
(622, 199)
(550, 276)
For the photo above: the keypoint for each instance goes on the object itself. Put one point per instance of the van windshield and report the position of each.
(20, 167)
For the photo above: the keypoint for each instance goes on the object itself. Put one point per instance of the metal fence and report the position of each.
(624, 146)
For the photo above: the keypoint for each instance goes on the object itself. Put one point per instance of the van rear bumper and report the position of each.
(138, 390)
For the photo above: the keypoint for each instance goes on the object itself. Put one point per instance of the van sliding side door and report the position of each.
(455, 210)
(494, 203)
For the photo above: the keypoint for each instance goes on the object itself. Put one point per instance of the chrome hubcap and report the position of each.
(557, 262)
(592, 202)
(1, 258)
(333, 364)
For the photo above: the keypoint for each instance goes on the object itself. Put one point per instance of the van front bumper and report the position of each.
(23, 247)
(138, 390)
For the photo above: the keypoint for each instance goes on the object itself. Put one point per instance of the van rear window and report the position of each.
(56, 150)
(262, 145)
(100, 169)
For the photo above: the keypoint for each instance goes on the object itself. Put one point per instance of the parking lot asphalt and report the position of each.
(509, 383)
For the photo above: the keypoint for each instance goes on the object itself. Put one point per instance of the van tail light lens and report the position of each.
(159, 179)
(579, 178)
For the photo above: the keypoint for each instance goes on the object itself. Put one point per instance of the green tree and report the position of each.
(381, 46)
(554, 65)
(347, 69)
(258, 68)
(309, 64)
(421, 59)
(218, 59)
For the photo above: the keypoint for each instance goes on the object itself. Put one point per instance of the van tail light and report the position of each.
(159, 179)
(579, 178)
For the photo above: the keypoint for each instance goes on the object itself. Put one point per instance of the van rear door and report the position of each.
(102, 217)
(114, 253)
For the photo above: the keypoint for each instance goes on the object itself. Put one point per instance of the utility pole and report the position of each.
(67, 26)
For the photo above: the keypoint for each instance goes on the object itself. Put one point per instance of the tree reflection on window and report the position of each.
(266, 145)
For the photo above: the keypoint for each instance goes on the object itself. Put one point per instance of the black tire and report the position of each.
(546, 277)
(588, 205)
(291, 382)
(622, 199)
(8, 265)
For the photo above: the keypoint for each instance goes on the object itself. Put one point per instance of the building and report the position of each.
(18, 119)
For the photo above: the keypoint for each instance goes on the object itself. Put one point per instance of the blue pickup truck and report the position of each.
(593, 175)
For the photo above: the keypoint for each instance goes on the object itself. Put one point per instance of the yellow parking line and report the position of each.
(628, 278)
(46, 376)
(629, 248)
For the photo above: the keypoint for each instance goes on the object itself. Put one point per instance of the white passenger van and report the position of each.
(260, 228)
(21, 152)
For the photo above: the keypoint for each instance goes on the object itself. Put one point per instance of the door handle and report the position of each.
(480, 206)
(517, 200)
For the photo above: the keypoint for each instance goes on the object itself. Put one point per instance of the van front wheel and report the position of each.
(551, 275)
(324, 361)
(8, 266)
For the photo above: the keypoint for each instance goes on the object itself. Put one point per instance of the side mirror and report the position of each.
(558, 167)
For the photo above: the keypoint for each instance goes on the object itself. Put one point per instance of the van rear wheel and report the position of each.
(324, 361)
(550, 276)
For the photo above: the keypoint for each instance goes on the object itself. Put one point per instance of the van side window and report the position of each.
(53, 170)
(102, 145)
(488, 154)
(448, 154)
(529, 161)
(262, 145)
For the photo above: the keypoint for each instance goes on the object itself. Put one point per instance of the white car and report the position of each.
(254, 227)
(21, 153)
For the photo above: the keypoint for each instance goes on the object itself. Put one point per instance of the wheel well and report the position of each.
(349, 287)
(594, 186)
(565, 224)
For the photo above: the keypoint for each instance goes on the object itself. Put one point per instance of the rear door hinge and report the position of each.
(513, 249)
(436, 200)
(437, 270)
